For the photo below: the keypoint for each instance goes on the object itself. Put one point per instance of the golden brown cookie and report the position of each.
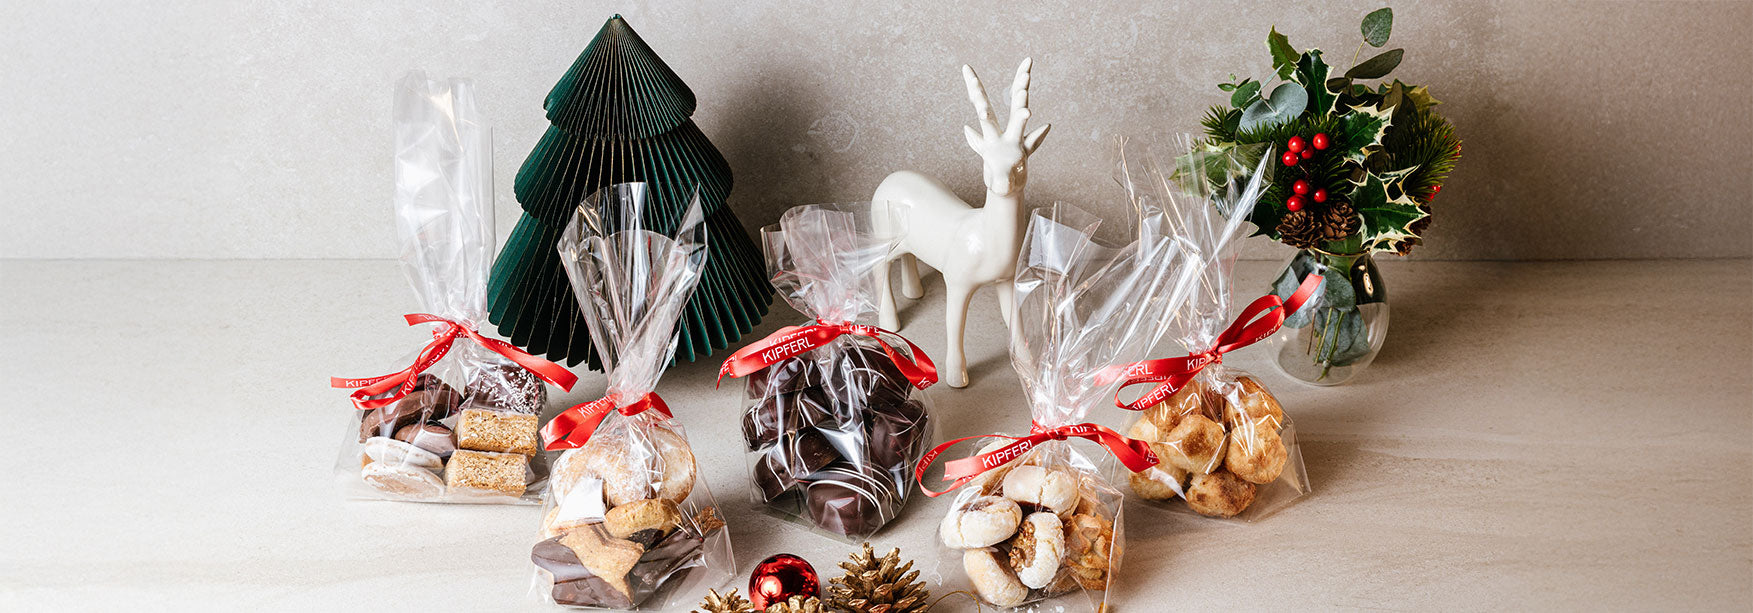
(1195, 445)
(643, 521)
(1252, 405)
(1089, 540)
(1219, 494)
(1256, 454)
(1160, 482)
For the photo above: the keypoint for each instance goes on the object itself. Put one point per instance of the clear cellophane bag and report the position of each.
(834, 433)
(629, 524)
(467, 430)
(1044, 532)
(1226, 447)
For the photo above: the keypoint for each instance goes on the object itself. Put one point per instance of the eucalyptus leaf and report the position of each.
(1378, 66)
(1285, 286)
(1228, 87)
(1286, 102)
(1350, 338)
(1377, 25)
(1284, 56)
(1245, 93)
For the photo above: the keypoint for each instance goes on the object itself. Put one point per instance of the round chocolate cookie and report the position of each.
(863, 377)
(796, 456)
(784, 412)
(505, 386)
(852, 500)
(787, 376)
(898, 435)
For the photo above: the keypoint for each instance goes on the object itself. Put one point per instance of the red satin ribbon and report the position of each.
(572, 427)
(402, 381)
(789, 341)
(1262, 318)
(1134, 454)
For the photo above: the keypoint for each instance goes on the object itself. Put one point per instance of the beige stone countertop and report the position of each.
(1572, 435)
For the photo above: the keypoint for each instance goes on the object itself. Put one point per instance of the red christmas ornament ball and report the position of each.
(1320, 141)
(780, 577)
(1308, 153)
(1294, 203)
(1300, 187)
(1290, 159)
(1320, 195)
(1296, 144)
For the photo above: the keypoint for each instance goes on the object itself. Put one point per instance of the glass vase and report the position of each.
(1336, 334)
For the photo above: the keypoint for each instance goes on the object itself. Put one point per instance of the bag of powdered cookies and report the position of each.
(835, 416)
(628, 522)
(1035, 524)
(458, 422)
(1226, 447)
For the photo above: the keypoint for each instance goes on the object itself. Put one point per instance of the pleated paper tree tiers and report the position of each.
(620, 115)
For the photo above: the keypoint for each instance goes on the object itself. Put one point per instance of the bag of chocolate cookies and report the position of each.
(629, 523)
(1226, 447)
(1036, 524)
(458, 422)
(834, 416)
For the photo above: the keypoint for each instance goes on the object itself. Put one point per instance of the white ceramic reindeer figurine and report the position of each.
(970, 246)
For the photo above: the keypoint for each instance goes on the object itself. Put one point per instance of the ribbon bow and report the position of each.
(1134, 454)
(1262, 318)
(572, 427)
(402, 381)
(789, 341)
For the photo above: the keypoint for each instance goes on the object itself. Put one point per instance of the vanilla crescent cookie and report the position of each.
(1037, 549)
(982, 522)
(1256, 454)
(992, 579)
(403, 481)
(1056, 490)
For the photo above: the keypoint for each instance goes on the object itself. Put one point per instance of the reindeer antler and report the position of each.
(982, 106)
(1019, 100)
(1019, 109)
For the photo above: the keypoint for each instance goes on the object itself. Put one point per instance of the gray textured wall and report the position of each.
(218, 129)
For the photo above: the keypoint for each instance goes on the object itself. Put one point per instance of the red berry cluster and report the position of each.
(1298, 150)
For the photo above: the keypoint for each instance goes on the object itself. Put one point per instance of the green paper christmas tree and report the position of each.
(620, 115)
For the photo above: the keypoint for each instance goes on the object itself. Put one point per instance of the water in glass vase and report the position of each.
(1334, 336)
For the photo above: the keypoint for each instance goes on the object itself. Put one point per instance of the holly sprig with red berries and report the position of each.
(1357, 165)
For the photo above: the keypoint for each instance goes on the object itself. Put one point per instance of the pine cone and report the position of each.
(730, 602)
(1339, 222)
(798, 604)
(1299, 229)
(878, 585)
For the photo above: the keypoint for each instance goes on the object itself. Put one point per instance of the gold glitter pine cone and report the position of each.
(730, 602)
(798, 604)
(878, 585)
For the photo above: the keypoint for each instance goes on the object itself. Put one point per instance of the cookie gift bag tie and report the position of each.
(1034, 524)
(834, 417)
(1226, 446)
(629, 523)
(458, 424)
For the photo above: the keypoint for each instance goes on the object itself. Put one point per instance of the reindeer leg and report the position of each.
(955, 308)
(887, 317)
(1006, 302)
(910, 286)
